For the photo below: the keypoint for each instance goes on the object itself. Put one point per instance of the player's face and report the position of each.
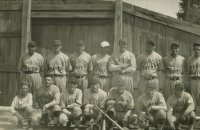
(178, 91)
(120, 89)
(24, 90)
(71, 88)
(31, 50)
(95, 88)
(80, 48)
(196, 50)
(175, 50)
(149, 48)
(48, 81)
(56, 48)
(104, 49)
(150, 91)
(122, 46)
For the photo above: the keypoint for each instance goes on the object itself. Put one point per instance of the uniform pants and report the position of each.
(128, 79)
(105, 83)
(34, 80)
(195, 91)
(169, 87)
(61, 82)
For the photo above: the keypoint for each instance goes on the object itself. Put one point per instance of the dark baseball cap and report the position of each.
(73, 81)
(94, 81)
(57, 42)
(32, 44)
(122, 40)
(196, 44)
(179, 85)
(151, 42)
(80, 42)
(174, 44)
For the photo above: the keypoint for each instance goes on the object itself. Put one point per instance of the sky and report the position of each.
(167, 7)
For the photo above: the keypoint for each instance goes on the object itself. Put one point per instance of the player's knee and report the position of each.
(161, 117)
(29, 109)
(63, 119)
(36, 118)
(14, 120)
(76, 112)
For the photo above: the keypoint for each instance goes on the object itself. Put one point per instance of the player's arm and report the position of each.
(169, 109)
(13, 105)
(161, 105)
(62, 106)
(190, 104)
(160, 66)
(132, 66)
(112, 66)
(78, 101)
(55, 101)
(20, 64)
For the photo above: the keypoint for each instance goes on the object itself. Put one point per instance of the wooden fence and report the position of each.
(92, 21)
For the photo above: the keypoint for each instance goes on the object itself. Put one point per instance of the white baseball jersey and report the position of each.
(57, 64)
(193, 66)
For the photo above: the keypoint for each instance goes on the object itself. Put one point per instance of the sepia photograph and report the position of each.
(99, 64)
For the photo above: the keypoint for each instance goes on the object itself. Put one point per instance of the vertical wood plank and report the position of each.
(26, 28)
(118, 22)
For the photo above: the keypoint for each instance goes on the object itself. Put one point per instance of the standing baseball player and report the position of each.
(151, 107)
(123, 64)
(174, 69)
(71, 102)
(30, 65)
(149, 66)
(99, 64)
(193, 71)
(80, 65)
(57, 64)
(180, 109)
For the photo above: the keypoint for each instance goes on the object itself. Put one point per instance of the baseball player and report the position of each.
(46, 103)
(180, 108)
(58, 65)
(99, 64)
(123, 64)
(93, 96)
(151, 107)
(120, 104)
(174, 69)
(80, 65)
(71, 102)
(21, 107)
(30, 65)
(193, 72)
(149, 66)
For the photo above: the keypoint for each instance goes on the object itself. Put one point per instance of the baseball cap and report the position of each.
(120, 81)
(180, 85)
(73, 81)
(57, 42)
(94, 81)
(151, 42)
(196, 44)
(32, 44)
(105, 44)
(80, 42)
(174, 44)
(122, 40)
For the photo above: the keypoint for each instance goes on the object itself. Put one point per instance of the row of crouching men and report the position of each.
(109, 70)
(73, 108)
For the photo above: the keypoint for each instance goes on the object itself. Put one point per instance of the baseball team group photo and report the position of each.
(98, 65)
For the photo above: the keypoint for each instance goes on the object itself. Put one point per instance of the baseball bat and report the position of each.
(118, 126)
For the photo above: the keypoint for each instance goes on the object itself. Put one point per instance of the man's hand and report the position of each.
(149, 108)
(171, 125)
(44, 108)
(124, 66)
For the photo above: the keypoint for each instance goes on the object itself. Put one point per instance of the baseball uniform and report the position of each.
(30, 67)
(42, 97)
(74, 99)
(99, 67)
(119, 59)
(59, 66)
(18, 112)
(144, 102)
(121, 112)
(148, 66)
(177, 107)
(80, 68)
(193, 71)
(174, 69)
